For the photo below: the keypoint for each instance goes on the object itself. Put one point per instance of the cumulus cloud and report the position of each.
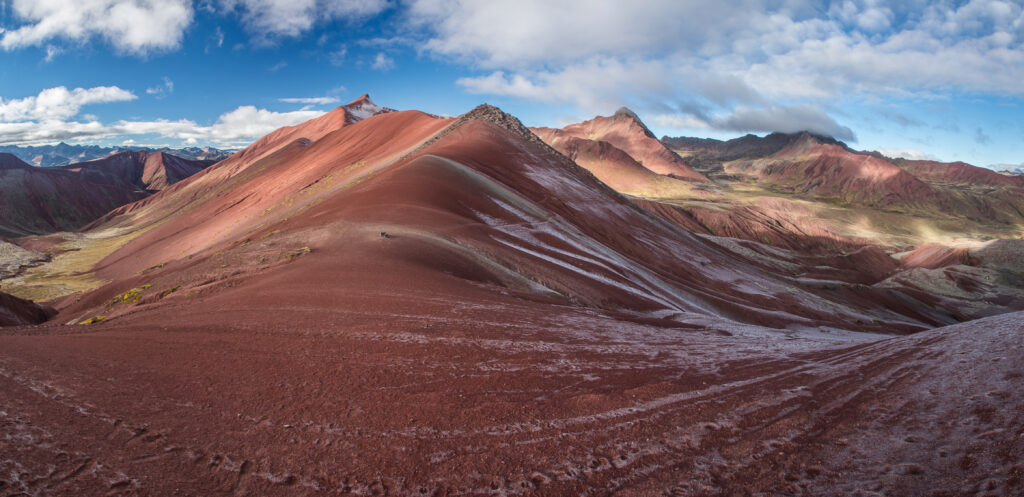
(310, 100)
(749, 59)
(59, 103)
(232, 129)
(246, 123)
(268, 20)
(131, 26)
(595, 85)
(53, 115)
(906, 153)
(161, 91)
(518, 33)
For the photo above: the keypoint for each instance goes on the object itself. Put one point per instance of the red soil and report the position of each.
(933, 256)
(398, 390)
(773, 222)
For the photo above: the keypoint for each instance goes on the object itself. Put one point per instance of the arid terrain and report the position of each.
(381, 302)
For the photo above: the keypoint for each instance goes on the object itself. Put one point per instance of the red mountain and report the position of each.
(448, 200)
(957, 173)
(831, 171)
(411, 305)
(149, 171)
(613, 166)
(626, 132)
(44, 200)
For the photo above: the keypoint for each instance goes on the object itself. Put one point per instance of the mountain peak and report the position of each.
(492, 114)
(362, 108)
(365, 98)
(626, 112)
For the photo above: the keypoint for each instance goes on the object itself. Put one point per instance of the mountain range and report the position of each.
(63, 154)
(382, 302)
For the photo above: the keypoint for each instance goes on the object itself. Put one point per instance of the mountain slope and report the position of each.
(477, 201)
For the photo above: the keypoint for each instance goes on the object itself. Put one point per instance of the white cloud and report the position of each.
(246, 123)
(679, 121)
(746, 60)
(59, 103)
(595, 85)
(51, 52)
(310, 100)
(782, 118)
(131, 26)
(267, 20)
(235, 128)
(163, 90)
(906, 153)
(769, 118)
(518, 33)
(382, 62)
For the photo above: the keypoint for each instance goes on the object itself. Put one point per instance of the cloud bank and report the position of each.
(48, 117)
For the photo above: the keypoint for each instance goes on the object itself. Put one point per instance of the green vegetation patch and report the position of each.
(130, 297)
(169, 291)
(153, 268)
(93, 320)
(296, 253)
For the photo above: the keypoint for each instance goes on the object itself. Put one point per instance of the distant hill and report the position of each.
(40, 200)
(63, 154)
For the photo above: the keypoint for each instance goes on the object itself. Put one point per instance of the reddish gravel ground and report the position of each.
(420, 393)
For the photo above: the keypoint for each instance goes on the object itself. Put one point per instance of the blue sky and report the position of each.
(915, 78)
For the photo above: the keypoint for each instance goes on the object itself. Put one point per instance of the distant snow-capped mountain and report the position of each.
(63, 154)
